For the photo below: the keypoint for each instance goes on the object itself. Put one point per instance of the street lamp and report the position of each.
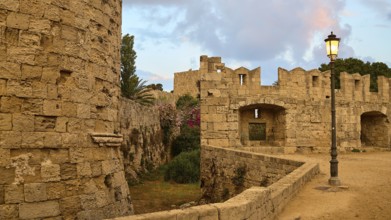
(332, 44)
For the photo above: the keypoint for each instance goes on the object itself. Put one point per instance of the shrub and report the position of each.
(188, 140)
(185, 168)
(186, 101)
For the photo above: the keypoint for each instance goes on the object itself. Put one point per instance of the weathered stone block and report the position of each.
(83, 111)
(19, 21)
(40, 25)
(5, 155)
(39, 210)
(61, 156)
(34, 8)
(31, 72)
(5, 122)
(88, 201)
(9, 5)
(52, 12)
(101, 198)
(27, 38)
(44, 123)
(74, 125)
(10, 104)
(52, 92)
(110, 166)
(39, 90)
(55, 190)
(96, 168)
(19, 88)
(50, 172)
(1, 195)
(69, 109)
(84, 169)
(68, 171)
(61, 124)
(10, 139)
(52, 108)
(35, 192)
(50, 75)
(70, 206)
(10, 70)
(32, 139)
(23, 122)
(3, 87)
(7, 175)
(13, 193)
(9, 211)
(52, 140)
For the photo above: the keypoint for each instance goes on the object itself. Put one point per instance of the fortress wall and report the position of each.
(59, 100)
(305, 97)
(186, 83)
(254, 203)
(227, 172)
(143, 147)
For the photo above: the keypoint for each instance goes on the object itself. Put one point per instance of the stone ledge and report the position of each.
(107, 139)
(254, 203)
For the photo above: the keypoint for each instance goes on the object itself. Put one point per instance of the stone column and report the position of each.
(59, 126)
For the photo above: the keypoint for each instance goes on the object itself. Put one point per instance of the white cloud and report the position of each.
(245, 30)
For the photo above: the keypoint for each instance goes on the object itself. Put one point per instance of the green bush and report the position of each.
(185, 168)
(188, 140)
(186, 101)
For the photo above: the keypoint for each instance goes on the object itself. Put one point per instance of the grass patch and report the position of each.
(154, 194)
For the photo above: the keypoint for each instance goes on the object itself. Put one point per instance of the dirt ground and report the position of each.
(368, 196)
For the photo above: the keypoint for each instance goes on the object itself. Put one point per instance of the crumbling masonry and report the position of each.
(59, 101)
(236, 111)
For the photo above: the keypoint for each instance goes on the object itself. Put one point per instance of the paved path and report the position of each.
(368, 176)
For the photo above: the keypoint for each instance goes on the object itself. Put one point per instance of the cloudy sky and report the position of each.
(171, 35)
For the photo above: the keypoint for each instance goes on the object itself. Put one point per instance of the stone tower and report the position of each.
(59, 126)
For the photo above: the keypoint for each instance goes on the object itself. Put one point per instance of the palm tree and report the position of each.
(135, 89)
(131, 86)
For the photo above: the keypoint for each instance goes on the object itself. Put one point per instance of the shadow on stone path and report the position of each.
(367, 195)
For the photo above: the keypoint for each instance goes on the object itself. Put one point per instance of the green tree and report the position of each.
(186, 101)
(131, 86)
(157, 86)
(136, 90)
(353, 65)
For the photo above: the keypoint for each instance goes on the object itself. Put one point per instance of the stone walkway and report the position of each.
(368, 196)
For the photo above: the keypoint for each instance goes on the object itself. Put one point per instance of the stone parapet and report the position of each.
(236, 110)
(258, 203)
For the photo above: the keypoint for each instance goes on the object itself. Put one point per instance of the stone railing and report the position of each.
(253, 203)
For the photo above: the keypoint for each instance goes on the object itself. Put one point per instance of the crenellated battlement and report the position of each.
(236, 110)
(296, 83)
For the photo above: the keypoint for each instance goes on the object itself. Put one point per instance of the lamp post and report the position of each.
(332, 44)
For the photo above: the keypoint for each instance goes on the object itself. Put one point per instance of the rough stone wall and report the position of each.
(260, 203)
(299, 108)
(188, 82)
(59, 92)
(143, 146)
(225, 173)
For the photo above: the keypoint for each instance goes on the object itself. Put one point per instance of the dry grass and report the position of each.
(154, 194)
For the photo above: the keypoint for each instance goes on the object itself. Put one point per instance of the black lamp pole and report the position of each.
(332, 43)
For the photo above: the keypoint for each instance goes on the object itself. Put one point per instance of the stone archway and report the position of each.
(262, 125)
(374, 129)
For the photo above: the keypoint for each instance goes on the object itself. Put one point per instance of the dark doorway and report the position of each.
(257, 131)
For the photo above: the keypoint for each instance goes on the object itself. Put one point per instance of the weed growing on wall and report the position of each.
(238, 179)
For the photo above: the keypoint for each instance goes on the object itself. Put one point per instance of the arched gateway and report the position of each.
(262, 125)
(374, 129)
